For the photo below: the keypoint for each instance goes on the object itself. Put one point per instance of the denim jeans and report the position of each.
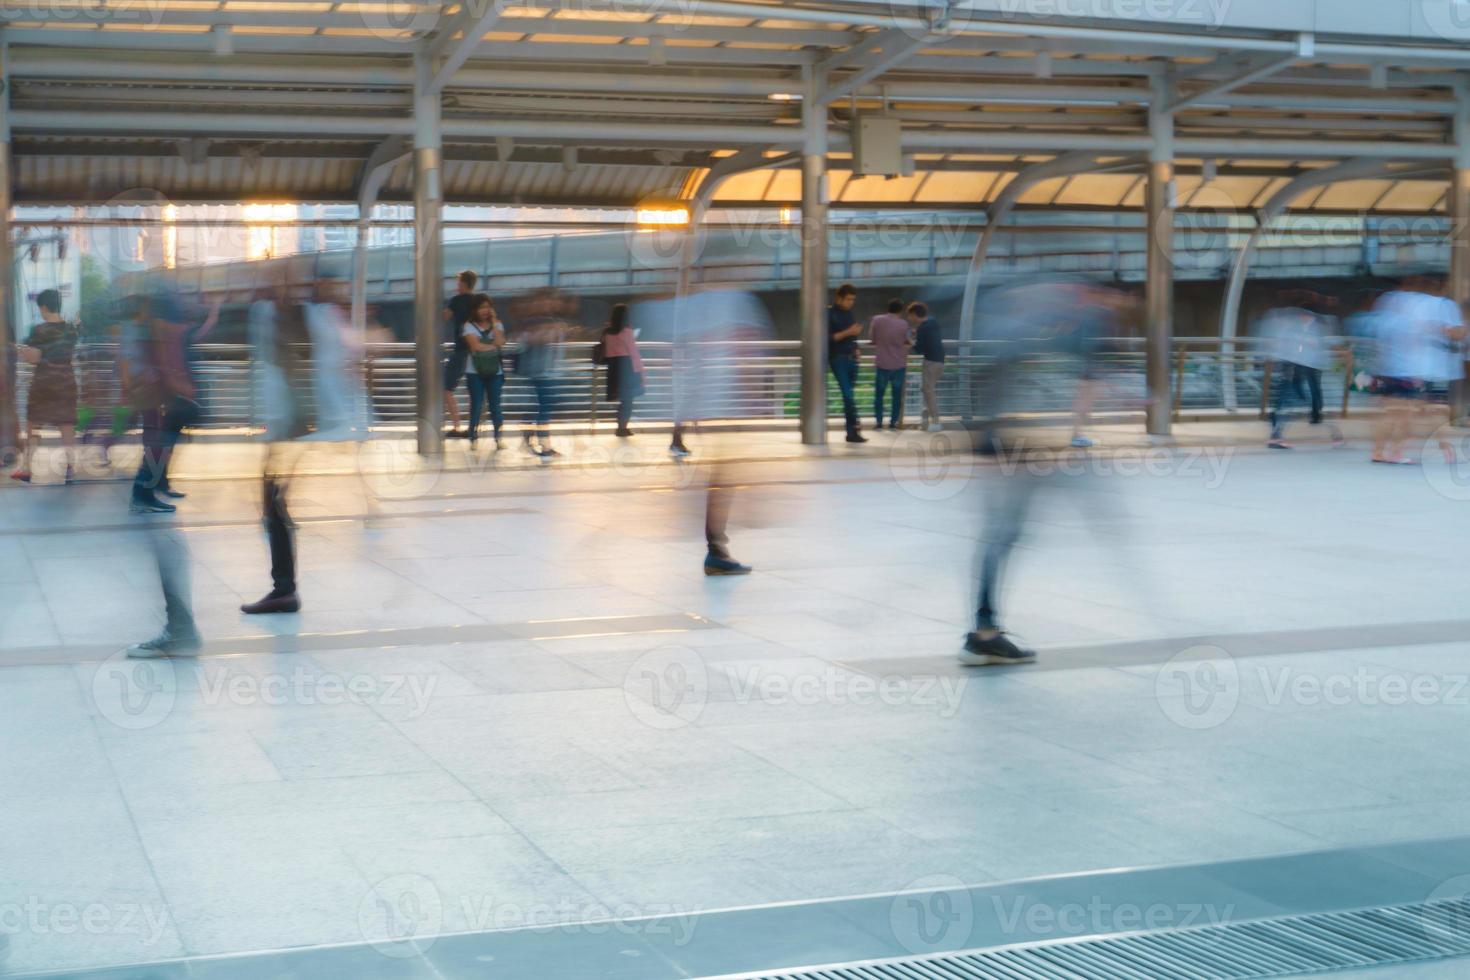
(482, 388)
(845, 370)
(888, 378)
(545, 389)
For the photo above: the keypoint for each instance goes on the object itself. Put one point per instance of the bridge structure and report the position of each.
(986, 107)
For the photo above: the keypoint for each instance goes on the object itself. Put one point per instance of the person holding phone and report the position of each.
(484, 338)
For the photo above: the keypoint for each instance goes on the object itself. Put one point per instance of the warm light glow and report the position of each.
(788, 216)
(262, 221)
(784, 97)
(170, 237)
(663, 217)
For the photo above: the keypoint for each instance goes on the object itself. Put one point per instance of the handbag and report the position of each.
(488, 363)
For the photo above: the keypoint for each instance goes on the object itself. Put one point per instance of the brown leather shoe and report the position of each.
(273, 604)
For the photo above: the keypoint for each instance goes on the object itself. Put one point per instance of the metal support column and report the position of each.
(1459, 206)
(1159, 290)
(428, 263)
(9, 408)
(359, 275)
(813, 264)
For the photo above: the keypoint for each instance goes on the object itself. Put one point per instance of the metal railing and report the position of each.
(762, 383)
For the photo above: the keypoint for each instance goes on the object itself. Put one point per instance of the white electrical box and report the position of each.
(877, 146)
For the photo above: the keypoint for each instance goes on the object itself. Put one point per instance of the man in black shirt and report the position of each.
(929, 343)
(457, 313)
(842, 353)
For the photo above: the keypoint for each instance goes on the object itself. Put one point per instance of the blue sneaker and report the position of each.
(720, 565)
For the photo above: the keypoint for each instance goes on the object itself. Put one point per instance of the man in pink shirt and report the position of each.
(889, 334)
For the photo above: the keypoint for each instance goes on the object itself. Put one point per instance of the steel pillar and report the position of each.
(813, 264)
(428, 260)
(1159, 289)
(9, 409)
(1459, 207)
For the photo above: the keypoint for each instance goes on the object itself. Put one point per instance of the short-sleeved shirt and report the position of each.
(838, 321)
(461, 308)
(890, 335)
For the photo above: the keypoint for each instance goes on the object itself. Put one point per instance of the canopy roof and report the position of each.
(611, 102)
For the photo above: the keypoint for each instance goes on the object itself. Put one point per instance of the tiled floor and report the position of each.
(512, 699)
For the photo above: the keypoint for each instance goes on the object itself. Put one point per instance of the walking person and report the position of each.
(843, 330)
(457, 312)
(928, 344)
(890, 335)
(624, 366)
(1297, 345)
(485, 338)
(52, 400)
(539, 335)
(163, 389)
(1399, 364)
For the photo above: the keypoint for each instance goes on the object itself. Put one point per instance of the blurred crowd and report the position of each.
(1406, 347)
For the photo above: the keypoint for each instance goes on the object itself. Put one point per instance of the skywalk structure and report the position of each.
(1245, 107)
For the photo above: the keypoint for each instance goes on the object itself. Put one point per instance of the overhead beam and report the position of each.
(457, 40)
(1262, 69)
(894, 52)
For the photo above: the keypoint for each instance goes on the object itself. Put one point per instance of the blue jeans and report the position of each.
(480, 387)
(888, 378)
(545, 389)
(845, 370)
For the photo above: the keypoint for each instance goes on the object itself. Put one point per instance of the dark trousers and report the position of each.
(1313, 379)
(281, 533)
(1294, 383)
(162, 429)
(482, 390)
(886, 379)
(717, 514)
(845, 370)
(624, 385)
(1007, 502)
(172, 557)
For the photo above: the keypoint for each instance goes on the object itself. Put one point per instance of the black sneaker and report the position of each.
(546, 452)
(720, 565)
(856, 437)
(457, 434)
(980, 651)
(169, 643)
(679, 450)
(150, 505)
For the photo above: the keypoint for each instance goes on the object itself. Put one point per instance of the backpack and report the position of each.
(487, 362)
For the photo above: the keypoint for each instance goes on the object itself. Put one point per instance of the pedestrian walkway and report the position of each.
(512, 695)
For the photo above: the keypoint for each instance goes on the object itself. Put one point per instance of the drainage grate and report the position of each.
(1263, 948)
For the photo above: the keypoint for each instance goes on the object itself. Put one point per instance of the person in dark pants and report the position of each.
(842, 354)
(280, 532)
(282, 344)
(457, 312)
(889, 333)
(485, 338)
(160, 385)
(624, 366)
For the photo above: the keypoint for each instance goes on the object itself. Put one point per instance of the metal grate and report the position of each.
(1287, 946)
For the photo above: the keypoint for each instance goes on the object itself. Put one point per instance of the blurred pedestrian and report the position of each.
(928, 344)
(1025, 323)
(540, 328)
(1401, 352)
(843, 330)
(162, 388)
(457, 312)
(485, 338)
(52, 400)
(1295, 341)
(890, 335)
(624, 366)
